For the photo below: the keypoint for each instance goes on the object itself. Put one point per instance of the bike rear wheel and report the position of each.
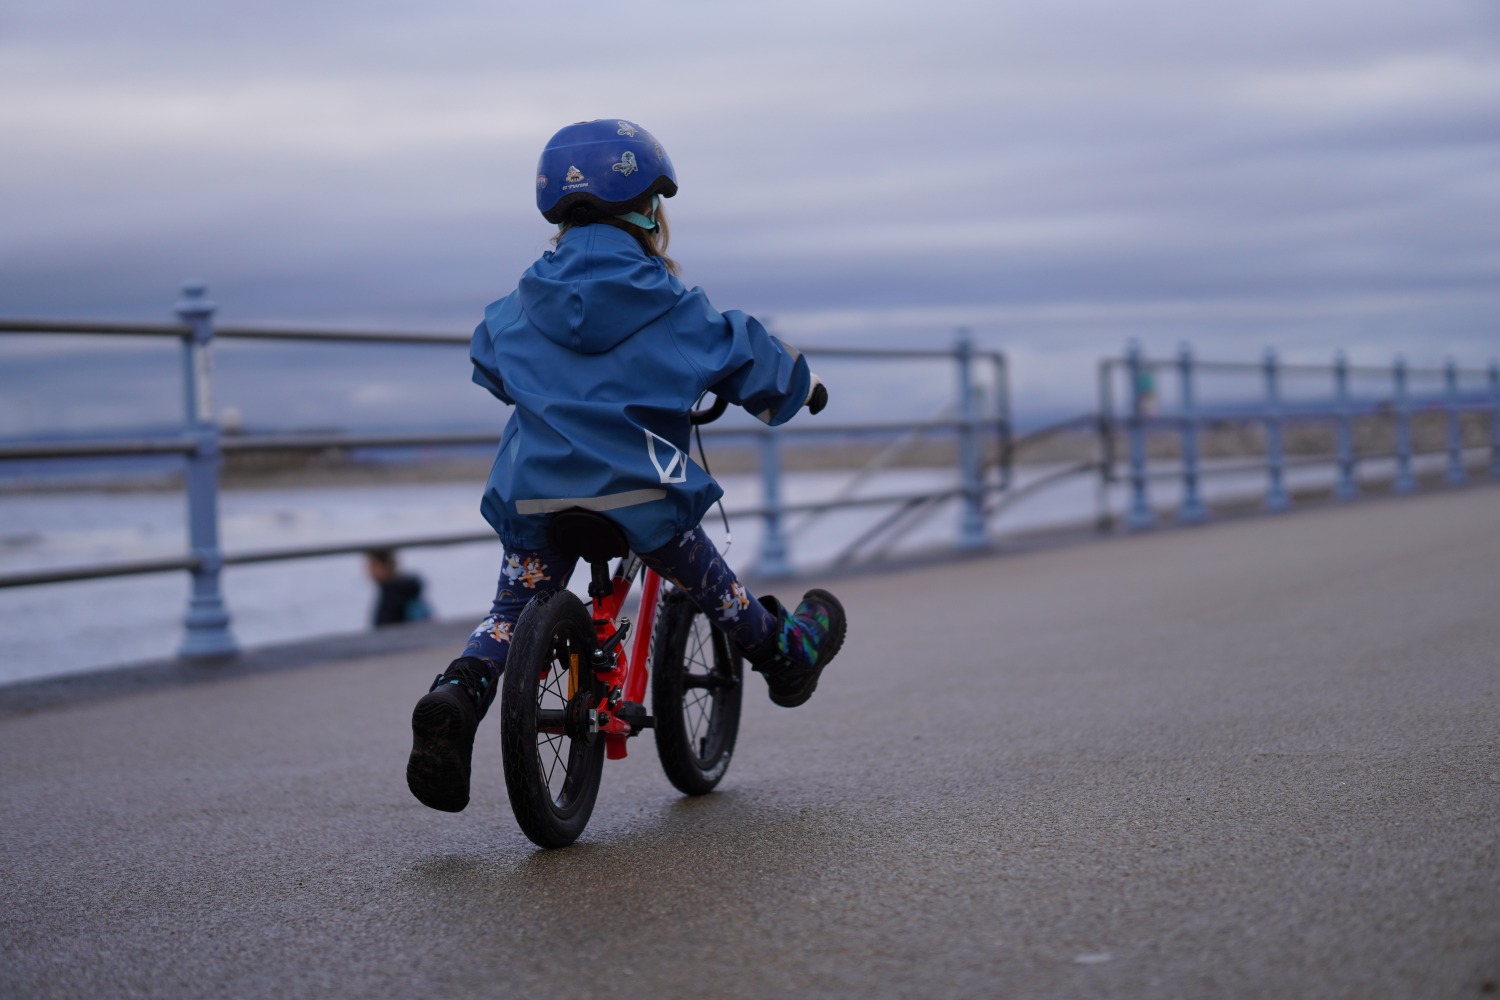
(695, 695)
(552, 764)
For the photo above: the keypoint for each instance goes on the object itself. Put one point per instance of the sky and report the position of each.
(1057, 177)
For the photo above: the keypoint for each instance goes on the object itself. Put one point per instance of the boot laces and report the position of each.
(468, 674)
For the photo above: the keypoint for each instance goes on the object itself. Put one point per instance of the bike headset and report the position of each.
(601, 168)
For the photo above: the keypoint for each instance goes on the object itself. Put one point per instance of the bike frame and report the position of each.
(630, 671)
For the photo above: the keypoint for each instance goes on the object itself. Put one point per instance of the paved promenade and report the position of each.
(1259, 759)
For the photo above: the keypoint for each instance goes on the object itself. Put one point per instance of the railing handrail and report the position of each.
(31, 450)
(1083, 420)
(138, 567)
(441, 339)
(96, 448)
(66, 574)
(1301, 412)
(94, 328)
(1293, 367)
(177, 445)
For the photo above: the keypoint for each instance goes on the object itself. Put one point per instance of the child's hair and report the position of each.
(653, 241)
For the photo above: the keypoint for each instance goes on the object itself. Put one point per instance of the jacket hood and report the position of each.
(596, 289)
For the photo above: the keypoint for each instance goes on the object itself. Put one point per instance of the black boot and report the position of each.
(442, 727)
(795, 652)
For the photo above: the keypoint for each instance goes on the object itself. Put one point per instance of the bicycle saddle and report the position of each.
(592, 537)
(583, 533)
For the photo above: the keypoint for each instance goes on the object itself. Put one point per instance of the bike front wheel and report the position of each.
(696, 677)
(552, 762)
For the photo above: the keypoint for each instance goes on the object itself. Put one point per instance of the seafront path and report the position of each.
(1255, 759)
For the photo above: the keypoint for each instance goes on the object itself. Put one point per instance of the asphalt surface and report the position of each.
(1256, 759)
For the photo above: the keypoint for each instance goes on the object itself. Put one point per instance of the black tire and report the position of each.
(696, 684)
(552, 779)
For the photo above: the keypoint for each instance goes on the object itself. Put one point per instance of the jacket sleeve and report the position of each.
(741, 361)
(486, 367)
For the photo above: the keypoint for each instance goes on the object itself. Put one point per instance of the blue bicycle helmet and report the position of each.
(602, 167)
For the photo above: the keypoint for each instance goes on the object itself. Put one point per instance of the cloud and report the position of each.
(1073, 173)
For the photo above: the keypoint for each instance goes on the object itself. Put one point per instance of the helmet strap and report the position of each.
(643, 221)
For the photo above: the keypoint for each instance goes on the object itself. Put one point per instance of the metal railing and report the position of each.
(1385, 414)
(1172, 411)
(1160, 432)
(202, 446)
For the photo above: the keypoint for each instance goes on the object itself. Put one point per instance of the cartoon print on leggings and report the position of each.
(733, 601)
(690, 557)
(491, 640)
(694, 557)
(495, 628)
(529, 571)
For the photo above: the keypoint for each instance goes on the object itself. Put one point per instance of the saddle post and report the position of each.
(600, 584)
(588, 535)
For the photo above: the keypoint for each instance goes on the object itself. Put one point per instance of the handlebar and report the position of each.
(712, 413)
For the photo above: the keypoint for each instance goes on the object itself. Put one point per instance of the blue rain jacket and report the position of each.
(603, 353)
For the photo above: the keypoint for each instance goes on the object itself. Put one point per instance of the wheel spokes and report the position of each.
(555, 749)
(701, 682)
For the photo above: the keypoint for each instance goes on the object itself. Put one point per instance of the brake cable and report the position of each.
(703, 461)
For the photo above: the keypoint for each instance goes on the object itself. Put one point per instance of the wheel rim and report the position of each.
(703, 677)
(561, 761)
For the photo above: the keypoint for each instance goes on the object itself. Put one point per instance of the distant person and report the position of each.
(400, 594)
(603, 352)
(1146, 391)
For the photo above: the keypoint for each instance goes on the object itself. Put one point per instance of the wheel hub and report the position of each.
(580, 720)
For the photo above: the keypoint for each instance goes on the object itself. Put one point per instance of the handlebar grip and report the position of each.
(714, 412)
(818, 399)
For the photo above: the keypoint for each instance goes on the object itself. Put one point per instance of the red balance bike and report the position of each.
(573, 696)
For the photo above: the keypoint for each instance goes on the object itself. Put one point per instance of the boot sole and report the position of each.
(437, 773)
(838, 625)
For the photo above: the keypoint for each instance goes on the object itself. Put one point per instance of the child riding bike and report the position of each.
(603, 353)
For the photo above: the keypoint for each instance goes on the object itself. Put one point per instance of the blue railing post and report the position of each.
(1140, 514)
(1002, 414)
(971, 534)
(1405, 483)
(1192, 510)
(1455, 424)
(1495, 419)
(773, 552)
(1276, 496)
(1104, 445)
(207, 620)
(1348, 487)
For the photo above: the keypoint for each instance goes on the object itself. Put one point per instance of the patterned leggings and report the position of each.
(690, 561)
